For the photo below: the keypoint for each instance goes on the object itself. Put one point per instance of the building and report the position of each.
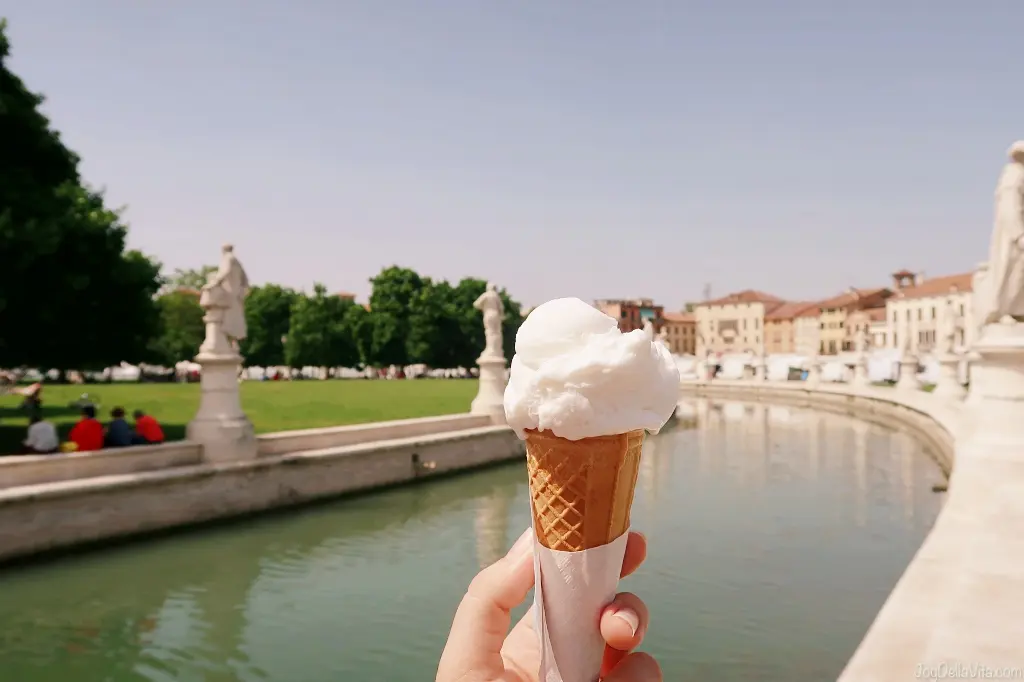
(915, 313)
(836, 333)
(780, 326)
(734, 323)
(807, 331)
(874, 320)
(346, 296)
(631, 313)
(681, 333)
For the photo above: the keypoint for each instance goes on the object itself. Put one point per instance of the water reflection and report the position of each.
(757, 516)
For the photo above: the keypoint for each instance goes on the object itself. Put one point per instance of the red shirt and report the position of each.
(87, 434)
(148, 428)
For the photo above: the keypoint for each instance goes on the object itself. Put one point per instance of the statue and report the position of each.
(950, 325)
(863, 340)
(663, 337)
(1003, 299)
(978, 297)
(494, 313)
(223, 299)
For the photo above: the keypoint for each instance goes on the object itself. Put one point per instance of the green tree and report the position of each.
(268, 312)
(318, 335)
(181, 328)
(71, 296)
(192, 280)
(394, 291)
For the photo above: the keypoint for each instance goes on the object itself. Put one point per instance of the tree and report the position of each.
(181, 328)
(394, 291)
(318, 335)
(192, 280)
(71, 297)
(268, 312)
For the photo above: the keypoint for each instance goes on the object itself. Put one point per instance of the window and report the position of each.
(894, 317)
(919, 314)
(933, 312)
(757, 323)
(961, 310)
(744, 324)
(908, 314)
(895, 339)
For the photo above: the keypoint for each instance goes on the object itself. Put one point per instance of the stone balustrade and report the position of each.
(24, 470)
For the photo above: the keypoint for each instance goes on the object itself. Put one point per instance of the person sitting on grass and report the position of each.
(42, 437)
(119, 433)
(148, 428)
(87, 434)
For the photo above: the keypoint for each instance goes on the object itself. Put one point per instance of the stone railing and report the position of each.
(955, 607)
(34, 469)
(337, 436)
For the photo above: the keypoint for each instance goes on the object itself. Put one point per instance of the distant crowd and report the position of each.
(89, 434)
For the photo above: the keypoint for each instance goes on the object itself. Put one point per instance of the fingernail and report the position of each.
(630, 618)
(522, 545)
(643, 535)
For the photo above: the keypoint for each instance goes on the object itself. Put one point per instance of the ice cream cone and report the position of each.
(581, 491)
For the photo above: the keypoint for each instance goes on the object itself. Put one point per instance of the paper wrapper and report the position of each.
(581, 493)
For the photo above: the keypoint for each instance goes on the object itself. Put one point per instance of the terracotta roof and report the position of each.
(346, 294)
(745, 296)
(938, 286)
(903, 273)
(849, 297)
(875, 314)
(679, 317)
(791, 309)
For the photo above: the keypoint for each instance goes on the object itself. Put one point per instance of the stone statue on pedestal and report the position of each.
(951, 323)
(220, 424)
(494, 313)
(1003, 297)
(493, 374)
(979, 281)
(863, 341)
(223, 299)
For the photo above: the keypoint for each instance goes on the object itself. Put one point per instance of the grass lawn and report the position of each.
(271, 405)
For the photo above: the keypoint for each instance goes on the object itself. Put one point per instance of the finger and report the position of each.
(638, 667)
(623, 624)
(636, 552)
(482, 619)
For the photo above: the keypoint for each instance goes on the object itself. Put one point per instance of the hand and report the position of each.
(478, 650)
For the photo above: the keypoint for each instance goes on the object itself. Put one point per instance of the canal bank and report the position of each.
(61, 501)
(957, 601)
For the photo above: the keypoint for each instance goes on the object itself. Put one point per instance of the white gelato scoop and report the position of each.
(575, 374)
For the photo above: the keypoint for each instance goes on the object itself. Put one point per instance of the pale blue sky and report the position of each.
(599, 148)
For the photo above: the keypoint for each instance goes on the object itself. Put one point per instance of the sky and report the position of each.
(590, 148)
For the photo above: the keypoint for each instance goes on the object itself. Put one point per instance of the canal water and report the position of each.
(775, 535)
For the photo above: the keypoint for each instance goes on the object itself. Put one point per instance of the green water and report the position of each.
(775, 535)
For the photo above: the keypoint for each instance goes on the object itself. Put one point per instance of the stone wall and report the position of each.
(336, 436)
(34, 469)
(48, 516)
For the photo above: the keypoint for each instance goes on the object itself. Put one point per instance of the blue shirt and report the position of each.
(119, 434)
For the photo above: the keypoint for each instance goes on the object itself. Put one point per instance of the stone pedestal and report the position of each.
(908, 373)
(490, 398)
(949, 385)
(996, 401)
(814, 373)
(860, 371)
(220, 425)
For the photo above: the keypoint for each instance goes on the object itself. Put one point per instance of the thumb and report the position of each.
(636, 667)
(481, 623)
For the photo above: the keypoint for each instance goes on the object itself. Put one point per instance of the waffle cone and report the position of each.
(581, 490)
